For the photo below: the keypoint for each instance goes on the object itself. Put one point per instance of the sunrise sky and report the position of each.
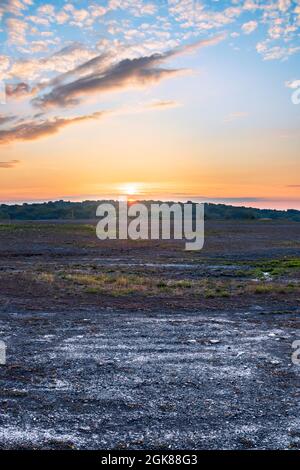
(169, 99)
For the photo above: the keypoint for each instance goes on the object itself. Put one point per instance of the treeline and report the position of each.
(65, 210)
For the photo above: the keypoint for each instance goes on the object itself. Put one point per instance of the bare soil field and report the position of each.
(142, 345)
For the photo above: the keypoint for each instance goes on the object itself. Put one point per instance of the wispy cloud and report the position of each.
(33, 130)
(126, 44)
(97, 75)
(39, 126)
(128, 73)
(293, 84)
(17, 29)
(9, 164)
(18, 90)
(5, 119)
(162, 104)
(135, 73)
(249, 27)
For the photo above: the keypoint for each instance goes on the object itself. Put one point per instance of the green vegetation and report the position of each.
(86, 210)
(123, 284)
(274, 268)
(45, 227)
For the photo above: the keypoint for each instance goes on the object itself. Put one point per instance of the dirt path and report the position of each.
(109, 379)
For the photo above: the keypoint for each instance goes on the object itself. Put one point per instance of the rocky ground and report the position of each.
(148, 347)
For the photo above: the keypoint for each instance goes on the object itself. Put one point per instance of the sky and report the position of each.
(168, 99)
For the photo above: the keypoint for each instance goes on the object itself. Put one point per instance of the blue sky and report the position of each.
(206, 85)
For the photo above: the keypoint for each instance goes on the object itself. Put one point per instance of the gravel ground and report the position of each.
(103, 378)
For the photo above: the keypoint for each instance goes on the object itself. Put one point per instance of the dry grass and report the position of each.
(123, 284)
(48, 278)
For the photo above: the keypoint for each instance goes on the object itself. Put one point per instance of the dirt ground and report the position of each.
(141, 345)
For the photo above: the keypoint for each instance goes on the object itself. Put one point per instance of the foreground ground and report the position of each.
(121, 345)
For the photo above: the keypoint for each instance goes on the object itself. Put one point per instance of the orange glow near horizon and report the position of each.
(153, 165)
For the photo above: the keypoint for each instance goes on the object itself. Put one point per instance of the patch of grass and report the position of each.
(263, 289)
(217, 290)
(92, 290)
(209, 294)
(59, 227)
(162, 285)
(86, 279)
(107, 283)
(276, 267)
(241, 273)
(272, 288)
(185, 284)
(121, 282)
(48, 278)
(224, 293)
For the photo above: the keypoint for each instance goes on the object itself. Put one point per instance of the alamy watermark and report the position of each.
(296, 353)
(296, 96)
(294, 85)
(152, 221)
(2, 353)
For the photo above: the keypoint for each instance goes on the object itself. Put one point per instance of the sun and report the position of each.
(129, 189)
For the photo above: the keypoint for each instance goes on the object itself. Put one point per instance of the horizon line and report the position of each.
(215, 201)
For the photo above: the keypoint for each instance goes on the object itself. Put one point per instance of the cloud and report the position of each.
(18, 90)
(275, 52)
(162, 104)
(195, 14)
(32, 130)
(60, 61)
(5, 119)
(190, 48)
(4, 63)
(39, 127)
(37, 20)
(135, 7)
(46, 10)
(128, 73)
(9, 164)
(249, 27)
(293, 84)
(284, 5)
(14, 7)
(16, 30)
(97, 63)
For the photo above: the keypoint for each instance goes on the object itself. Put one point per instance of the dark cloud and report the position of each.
(74, 51)
(96, 64)
(9, 164)
(5, 119)
(32, 130)
(18, 90)
(96, 75)
(128, 73)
